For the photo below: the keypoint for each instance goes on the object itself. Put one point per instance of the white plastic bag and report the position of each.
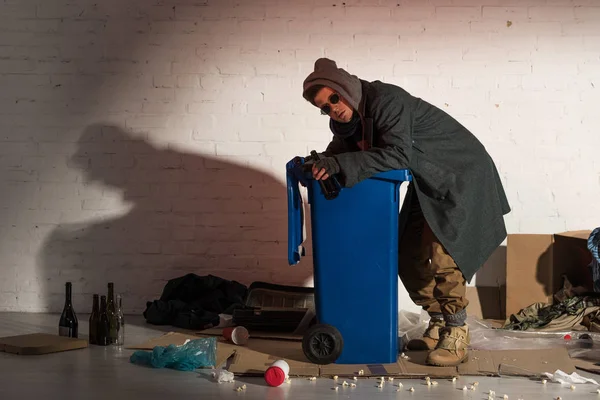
(411, 325)
(225, 320)
(484, 337)
(221, 376)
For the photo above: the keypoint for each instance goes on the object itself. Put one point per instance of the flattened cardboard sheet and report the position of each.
(259, 354)
(256, 334)
(224, 350)
(40, 343)
(518, 362)
(254, 359)
(479, 363)
(592, 366)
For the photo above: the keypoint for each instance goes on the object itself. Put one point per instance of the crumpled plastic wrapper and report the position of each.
(565, 379)
(222, 376)
(191, 355)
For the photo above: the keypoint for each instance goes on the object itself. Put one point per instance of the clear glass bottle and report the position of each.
(112, 314)
(120, 322)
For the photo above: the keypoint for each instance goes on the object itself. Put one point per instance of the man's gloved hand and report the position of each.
(325, 167)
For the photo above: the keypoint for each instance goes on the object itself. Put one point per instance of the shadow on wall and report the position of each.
(566, 257)
(183, 213)
(543, 274)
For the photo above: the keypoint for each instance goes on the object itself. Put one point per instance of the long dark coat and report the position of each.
(454, 177)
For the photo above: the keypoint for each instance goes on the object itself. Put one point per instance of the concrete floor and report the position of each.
(104, 373)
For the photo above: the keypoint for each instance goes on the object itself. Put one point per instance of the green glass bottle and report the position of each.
(94, 319)
(103, 338)
(68, 325)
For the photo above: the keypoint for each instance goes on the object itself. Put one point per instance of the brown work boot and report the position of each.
(430, 337)
(451, 349)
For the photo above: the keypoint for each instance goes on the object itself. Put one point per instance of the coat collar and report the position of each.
(366, 120)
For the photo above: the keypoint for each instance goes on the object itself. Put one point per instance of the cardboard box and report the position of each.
(535, 264)
(487, 302)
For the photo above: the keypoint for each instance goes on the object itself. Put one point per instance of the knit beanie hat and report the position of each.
(328, 74)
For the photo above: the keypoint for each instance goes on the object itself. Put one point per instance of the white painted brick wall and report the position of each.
(142, 142)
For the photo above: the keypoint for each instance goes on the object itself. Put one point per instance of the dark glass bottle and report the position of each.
(329, 187)
(111, 311)
(68, 324)
(94, 321)
(103, 324)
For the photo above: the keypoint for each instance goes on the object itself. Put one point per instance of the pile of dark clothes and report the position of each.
(195, 302)
(593, 246)
(568, 314)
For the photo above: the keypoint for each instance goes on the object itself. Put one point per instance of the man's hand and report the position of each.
(325, 167)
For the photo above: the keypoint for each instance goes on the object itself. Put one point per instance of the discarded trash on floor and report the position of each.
(565, 379)
(240, 388)
(236, 335)
(277, 373)
(191, 355)
(222, 376)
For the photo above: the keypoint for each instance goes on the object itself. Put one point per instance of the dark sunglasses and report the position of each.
(333, 99)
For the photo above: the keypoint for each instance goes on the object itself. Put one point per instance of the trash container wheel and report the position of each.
(322, 344)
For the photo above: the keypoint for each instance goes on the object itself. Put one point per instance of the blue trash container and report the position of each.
(355, 261)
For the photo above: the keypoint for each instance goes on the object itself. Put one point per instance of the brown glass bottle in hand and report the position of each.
(330, 187)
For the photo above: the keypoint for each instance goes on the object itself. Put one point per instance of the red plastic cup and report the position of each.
(277, 373)
(236, 334)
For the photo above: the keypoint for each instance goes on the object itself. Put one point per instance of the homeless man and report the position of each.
(452, 215)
